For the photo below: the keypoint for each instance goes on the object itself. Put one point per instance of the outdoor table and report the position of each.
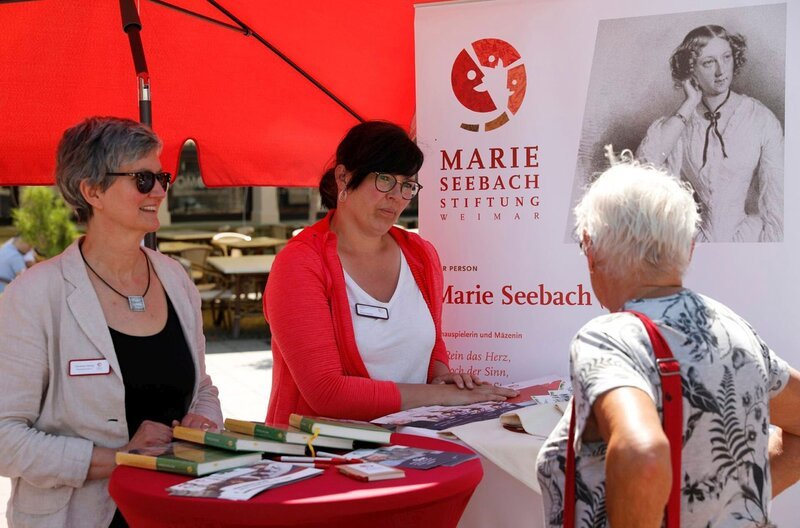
(254, 245)
(431, 498)
(240, 269)
(172, 248)
(186, 236)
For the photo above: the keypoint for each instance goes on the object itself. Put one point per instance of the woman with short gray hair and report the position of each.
(102, 346)
(637, 226)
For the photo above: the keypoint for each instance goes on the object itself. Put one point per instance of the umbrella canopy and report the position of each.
(255, 119)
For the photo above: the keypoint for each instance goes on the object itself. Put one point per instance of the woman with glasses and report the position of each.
(354, 304)
(102, 347)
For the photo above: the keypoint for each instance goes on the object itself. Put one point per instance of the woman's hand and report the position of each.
(479, 393)
(443, 393)
(459, 379)
(693, 96)
(198, 422)
(149, 434)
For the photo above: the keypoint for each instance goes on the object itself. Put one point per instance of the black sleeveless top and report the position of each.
(158, 374)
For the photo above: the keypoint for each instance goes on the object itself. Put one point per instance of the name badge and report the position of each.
(89, 367)
(373, 312)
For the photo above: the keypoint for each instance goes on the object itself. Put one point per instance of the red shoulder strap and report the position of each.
(672, 398)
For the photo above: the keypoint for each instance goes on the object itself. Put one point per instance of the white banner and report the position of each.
(515, 102)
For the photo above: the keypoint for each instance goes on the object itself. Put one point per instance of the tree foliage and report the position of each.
(44, 221)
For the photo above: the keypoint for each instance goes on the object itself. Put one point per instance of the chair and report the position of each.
(219, 300)
(197, 257)
(186, 263)
(221, 240)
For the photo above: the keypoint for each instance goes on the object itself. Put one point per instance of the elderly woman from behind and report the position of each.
(102, 347)
(355, 304)
(636, 225)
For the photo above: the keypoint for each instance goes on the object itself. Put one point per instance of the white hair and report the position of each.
(640, 219)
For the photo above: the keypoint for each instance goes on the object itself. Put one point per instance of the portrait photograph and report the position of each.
(702, 95)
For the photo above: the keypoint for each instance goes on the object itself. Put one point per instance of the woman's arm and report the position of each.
(770, 178)
(663, 135)
(418, 395)
(206, 402)
(638, 471)
(43, 459)
(103, 458)
(785, 445)
(298, 307)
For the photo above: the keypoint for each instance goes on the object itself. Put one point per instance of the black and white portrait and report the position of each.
(702, 95)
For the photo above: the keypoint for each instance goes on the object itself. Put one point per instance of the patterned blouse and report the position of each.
(728, 376)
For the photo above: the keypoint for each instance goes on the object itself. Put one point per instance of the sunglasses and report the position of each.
(146, 180)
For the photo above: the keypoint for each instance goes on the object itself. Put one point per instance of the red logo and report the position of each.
(493, 85)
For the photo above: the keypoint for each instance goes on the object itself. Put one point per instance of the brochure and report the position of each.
(245, 482)
(547, 390)
(410, 457)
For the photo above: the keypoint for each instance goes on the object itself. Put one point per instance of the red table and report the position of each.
(434, 497)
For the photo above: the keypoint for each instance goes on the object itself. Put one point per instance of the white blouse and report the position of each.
(397, 348)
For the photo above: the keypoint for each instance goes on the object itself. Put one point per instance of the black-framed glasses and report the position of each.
(386, 182)
(146, 180)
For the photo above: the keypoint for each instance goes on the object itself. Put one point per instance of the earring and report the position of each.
(343, 195)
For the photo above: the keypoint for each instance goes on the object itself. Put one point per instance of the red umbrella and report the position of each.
(255, 119)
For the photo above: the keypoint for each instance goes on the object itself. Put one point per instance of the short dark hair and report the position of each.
(684, 58)
(93, 147)
(372, 146)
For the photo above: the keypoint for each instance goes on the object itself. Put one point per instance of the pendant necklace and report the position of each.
(135, 302)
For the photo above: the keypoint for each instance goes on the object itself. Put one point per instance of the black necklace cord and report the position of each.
(147, 260)
(713, 118)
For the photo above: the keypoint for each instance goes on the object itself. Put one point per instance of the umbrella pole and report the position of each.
(131, 25)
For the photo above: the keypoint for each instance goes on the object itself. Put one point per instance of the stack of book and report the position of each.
(185, 458)
(288, 434)
(235, 454)
(352, 429)
(243, 442)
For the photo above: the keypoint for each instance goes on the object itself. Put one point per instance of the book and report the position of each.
(369, 471)
(442, 417)
(410, 457)
(536, 420)
(352, 429)
(232, 441)
(530, 389)
(245, 482)
(185, 458)
(287, 434)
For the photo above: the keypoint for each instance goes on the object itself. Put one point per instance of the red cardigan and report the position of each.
(317, 368)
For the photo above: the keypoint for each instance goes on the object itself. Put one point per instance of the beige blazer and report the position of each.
(49, 420)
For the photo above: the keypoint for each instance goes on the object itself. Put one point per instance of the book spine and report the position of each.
(203, 437)
(302, 423)
(176, 466)
(130, 459)
(255, 429)
(218, 440)
(240, 426)
(270, 433)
